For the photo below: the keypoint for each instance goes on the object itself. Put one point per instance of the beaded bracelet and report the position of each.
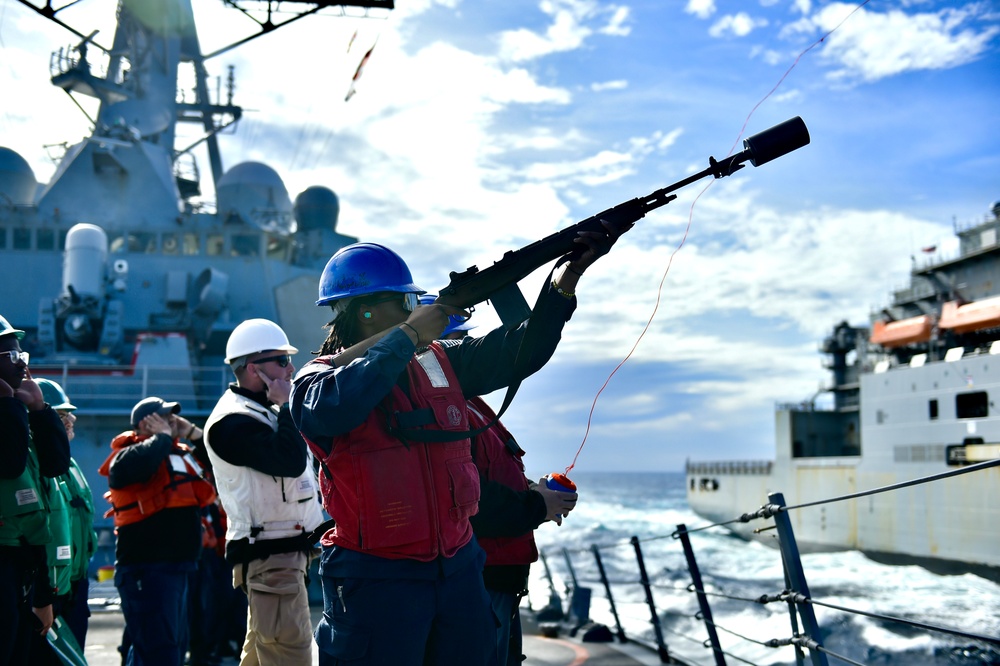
(562, 292)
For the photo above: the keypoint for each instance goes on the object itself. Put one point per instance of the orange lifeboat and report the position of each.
(971, 316)
(903, 332)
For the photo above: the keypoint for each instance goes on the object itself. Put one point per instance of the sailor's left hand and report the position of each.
(598, 243)
(558, 503)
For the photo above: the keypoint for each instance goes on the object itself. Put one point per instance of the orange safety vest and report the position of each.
(178, 482)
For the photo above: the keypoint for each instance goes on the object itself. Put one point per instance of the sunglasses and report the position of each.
(15, 355)
(282, 360)
(410, 301)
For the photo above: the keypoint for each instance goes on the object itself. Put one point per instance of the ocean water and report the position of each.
(615, 507)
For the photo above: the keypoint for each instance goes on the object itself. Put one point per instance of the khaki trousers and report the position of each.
(279, 628)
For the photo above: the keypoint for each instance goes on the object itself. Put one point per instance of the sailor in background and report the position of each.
(34, 451)
(73, 607)
(511, 507)
(388, 419)
(157, 492)
(268, 489)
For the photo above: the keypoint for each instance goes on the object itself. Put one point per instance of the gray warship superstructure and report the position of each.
(125, 279)
(915, 394)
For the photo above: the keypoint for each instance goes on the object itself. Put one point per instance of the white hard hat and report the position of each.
(256, 335)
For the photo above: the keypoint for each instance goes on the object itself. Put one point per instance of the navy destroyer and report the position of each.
(914, 394)
(126, 278)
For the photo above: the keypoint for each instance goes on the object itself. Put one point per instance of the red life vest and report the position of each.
(497, 461)
(404, 500)
(177, 482)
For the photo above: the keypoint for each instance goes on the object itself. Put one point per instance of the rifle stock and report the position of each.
(498, 283)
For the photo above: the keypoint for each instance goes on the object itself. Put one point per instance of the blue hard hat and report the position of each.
(455, 322)
(364, 268)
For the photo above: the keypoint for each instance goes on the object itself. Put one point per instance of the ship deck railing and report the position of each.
(672, 605)
(737, 467)
(109, 390)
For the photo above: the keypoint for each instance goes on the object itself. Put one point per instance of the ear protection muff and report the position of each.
(368, 315)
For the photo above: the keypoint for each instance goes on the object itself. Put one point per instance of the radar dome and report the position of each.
(317, 207)
(254, 193)
(17, 180)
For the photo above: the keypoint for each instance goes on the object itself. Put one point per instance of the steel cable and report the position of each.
(769, 510)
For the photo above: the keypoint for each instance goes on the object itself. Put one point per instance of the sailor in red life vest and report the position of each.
(511, 507)
(388, 420)
(157, 491)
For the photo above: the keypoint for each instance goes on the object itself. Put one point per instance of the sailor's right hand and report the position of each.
(278, 389)
(153, 424)
(557, 502)
(45, 616)
(428, 322)
(30, 393)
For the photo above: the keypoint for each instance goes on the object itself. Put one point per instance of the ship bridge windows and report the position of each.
(215, 244)
(174, 244)
(33, 239)
(190, 244)
(972, 405)
(170, 244)
(136, 242)
(277, 247)
(45, 239)
(246, 245)
(22, 239)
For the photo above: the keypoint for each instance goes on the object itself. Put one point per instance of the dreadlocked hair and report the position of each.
(343, 331)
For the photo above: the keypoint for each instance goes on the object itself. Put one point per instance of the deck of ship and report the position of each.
(106, 631)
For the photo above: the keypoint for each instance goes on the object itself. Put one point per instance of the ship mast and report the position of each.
(131, 154)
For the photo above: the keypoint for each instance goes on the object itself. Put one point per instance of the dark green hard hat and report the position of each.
(7, 329)
(55, 395)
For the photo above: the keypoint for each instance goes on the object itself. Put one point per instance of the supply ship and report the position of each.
(914, 394)
(126, 276)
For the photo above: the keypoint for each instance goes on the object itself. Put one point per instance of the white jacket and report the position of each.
(258, 505)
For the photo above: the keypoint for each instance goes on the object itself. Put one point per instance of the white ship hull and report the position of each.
(904, 435)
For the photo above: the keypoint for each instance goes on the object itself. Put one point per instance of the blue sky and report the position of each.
(479, 127)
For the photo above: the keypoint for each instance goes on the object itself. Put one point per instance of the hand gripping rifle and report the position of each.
(498, 283)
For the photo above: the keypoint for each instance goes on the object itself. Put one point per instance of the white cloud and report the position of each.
(940, 40)
(664, 141)
(619, 84)
(700, 8)
(573, 21)
(738, 25)
(616, 24)
(605, 166)
(752, 269)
